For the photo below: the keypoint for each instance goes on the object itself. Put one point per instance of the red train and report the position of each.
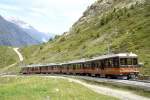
(124, 65)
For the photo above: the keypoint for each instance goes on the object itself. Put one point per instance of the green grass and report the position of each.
(38, 88)
(7, 56)
(8, 59)
(12, 69)
(127, 29)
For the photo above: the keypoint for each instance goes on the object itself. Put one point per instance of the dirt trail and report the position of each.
(18, 53)
(6, 68)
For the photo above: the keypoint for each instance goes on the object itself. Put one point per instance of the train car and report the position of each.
(41, 69)
(122, 65)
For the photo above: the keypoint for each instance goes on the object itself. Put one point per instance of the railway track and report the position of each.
(138, 84)
(145, 81)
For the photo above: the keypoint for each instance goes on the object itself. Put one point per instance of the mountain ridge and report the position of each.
(12, 35)
(30, 30)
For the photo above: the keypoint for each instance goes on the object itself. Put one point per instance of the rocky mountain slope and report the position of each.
(13, 35)
(121, 25)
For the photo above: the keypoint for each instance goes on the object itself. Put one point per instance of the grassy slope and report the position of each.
(127, 30)
(34, 88)
(8, 59)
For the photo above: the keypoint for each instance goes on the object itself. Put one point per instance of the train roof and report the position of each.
(127, 55)
(42, 65)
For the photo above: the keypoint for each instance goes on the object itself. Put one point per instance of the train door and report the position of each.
(102, 74)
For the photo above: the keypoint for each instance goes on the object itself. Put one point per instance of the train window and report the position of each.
(93, 65)
(87, 64)
(129, 61)
(116, 62)
(76, 65)
(96, 64)
(123, 61)
(90, 64)
(99, 64)
(79, 65)
(63, 66)
(52, 68)
(82, 65)
(111, 62)
(109, 65)
(103, 64)
(106, 63)
(135, 61)
(71, 66)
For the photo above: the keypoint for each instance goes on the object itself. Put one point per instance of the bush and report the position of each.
(41, 47)
(128, 15)
(50, 40)
(62, 39)
(57, 36)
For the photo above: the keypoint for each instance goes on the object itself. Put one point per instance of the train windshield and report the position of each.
(128, 61)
